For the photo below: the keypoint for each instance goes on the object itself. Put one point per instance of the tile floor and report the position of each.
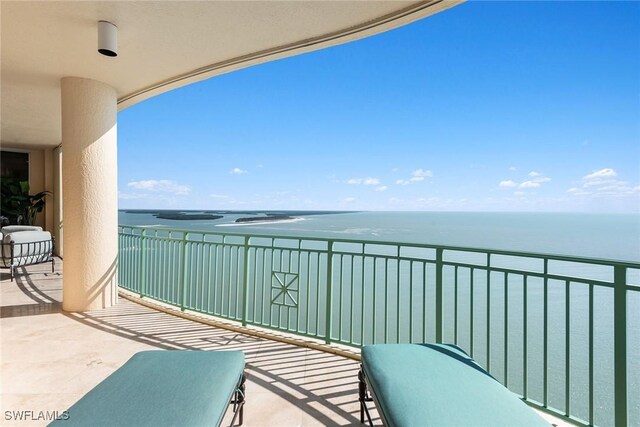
(51, 358)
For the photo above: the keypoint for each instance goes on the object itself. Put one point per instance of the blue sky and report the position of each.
(489, 106)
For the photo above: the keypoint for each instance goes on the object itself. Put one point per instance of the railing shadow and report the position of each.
(325, 389)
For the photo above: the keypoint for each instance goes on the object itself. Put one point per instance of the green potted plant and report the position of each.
(17, 204)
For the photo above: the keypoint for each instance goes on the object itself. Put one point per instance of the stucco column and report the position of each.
(90, 196)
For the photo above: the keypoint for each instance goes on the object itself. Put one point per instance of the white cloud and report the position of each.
(130, 196)
(363, 181)
(349, 200)
(529, 184)
(382, 188)
(237, 171)
(600, 174)
(507, 184)
(603, 183)
(394, 170)
(219, 196)
(537, 179)
(161, 186)
(371, 181)
(420, 173)
(417, 175)
(512, 168)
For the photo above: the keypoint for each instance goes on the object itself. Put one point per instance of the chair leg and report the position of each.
(11, 272)
(238, 402)
(53, 265)
(363, 398)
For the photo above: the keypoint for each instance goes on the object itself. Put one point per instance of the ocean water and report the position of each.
(608, 236)
(603, 236)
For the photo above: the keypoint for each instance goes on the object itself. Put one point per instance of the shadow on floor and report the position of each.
(323, 386)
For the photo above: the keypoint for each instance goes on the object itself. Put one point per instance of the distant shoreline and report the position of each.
(186, 217)
(269, 218)
(261, 221)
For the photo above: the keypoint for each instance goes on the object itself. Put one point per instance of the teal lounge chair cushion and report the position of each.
(162, 388)
(439, 385)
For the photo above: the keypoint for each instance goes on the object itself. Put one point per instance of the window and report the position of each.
(14, 165)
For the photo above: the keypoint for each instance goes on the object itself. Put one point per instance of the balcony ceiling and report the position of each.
(163, 45)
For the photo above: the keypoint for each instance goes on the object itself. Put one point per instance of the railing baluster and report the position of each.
(455, 305)
(230, 276)
(545, 336)
(488, 312)
(209, 282)
(567, 347)
(424, 299)
(141, 287)
(363, 301)
(410, 301)
(374, 318)
(471, 280)
(340, 297)
(202, 269)
(351, 314)
(329, 293)
(318, 296)
(524, 336)
(308, 306)
(591, 406)
(266, 297)
(241, 270)
(216, 271)
(183, 272)
(439, 273)
(506, 330)
(398, 288)
(386, 301)
(245, 282)
(620, 344)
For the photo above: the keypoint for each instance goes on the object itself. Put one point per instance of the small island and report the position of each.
(265, 218)
(185, 217)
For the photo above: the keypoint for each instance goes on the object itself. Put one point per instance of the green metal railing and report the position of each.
(562, 332)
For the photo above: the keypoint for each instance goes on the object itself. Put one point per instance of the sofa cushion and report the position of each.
(12, 228)
(30, 247)
(162, 388)
(439, 385)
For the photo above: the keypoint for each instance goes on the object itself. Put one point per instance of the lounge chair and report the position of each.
(436, 385)
(165, 388)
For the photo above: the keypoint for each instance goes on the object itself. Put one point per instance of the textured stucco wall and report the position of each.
(58, 222)
(90, 197)
(48, 185)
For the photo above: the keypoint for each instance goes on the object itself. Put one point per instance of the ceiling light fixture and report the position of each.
(107, 38)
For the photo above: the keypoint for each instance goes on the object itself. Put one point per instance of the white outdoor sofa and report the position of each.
(25, 245)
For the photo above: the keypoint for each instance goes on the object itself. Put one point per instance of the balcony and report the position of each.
(267, 296)
(558, 331)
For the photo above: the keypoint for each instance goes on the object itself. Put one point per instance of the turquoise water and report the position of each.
(586, 235)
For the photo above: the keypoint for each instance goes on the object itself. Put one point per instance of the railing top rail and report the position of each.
(554, 257)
